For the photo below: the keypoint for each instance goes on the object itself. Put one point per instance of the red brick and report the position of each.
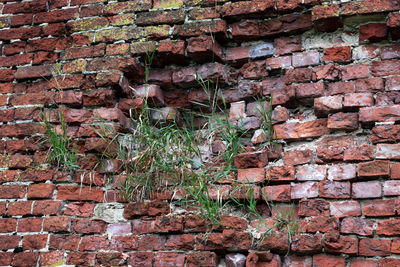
(205, 258)
(297, 261)
(359, 153)
(295, 130)
(355, 72)
(152, 242)
(297, 157)
(385, 133)
(80, 209)
(64, 242)
(311, 173)
(12, 191)
(357, 225)
(46, 207)
(251, 159)
(322, 224)
(395, 246)
(93, 243)
(337, 54)
(390, 52)
(374, 247)
(8, 225)
(216, 27)
(25, 259)
(262, 258)
(373, 32)
(387, 151)
(389, 262)
(311, 90)
(280, 193)
(19, 208)
(373, 168)
(141, 258)
(246, 9)
(251, 175)
(395, 171)
(56, 224)
(6, 258)
(6, 75)
(153, 208)
(80, 193)
(387, 67)
(25, 7)
(367, 190)
(205, 13)
(343, 121)
(369, 85)
(81, 258)
(304, 190)
(169, 259)
(327, 104)
(340, 87)
(305, 59)
(329, 261)
(358, 100)
(307, 243)
(40, 190)
(51, 258)
(298, 75)
(237, 55)
(87, 226)
(366, 52)
(280, 173)
(363, 263)
(30, 224)
(377, 208)
(123, 243)
(253, 70)
(331, 189)
(368, 6)
(341, 172)
(344, 244)
(9, 241)
(287, 45)
(32, 242)
(293, 23)
(345, 208)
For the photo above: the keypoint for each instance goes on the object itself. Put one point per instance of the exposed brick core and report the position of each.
(331, 67)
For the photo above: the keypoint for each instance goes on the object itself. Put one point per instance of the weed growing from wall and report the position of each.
(62, 153)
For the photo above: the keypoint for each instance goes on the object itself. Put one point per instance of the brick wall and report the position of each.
(332, 67)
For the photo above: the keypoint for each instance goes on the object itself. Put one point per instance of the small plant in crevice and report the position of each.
(62, 153)
(266, 121)
(148, 61)
(154, 155)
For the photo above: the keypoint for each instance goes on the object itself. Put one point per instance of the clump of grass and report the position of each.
(148, 61)
(155, 155)
(62, 153)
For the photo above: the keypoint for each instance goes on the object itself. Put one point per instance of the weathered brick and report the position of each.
(343, 121)
(373, 168)
(31, 242)
(304, 190)
(357, 225)
(311, 90)
(295, 130)
(327, 104)
(363, 152)
(373, 32)
(374, 247)
(345, 208)
(377, 208)
(337, 54)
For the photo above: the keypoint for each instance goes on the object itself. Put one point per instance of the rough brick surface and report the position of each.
(311, 89)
